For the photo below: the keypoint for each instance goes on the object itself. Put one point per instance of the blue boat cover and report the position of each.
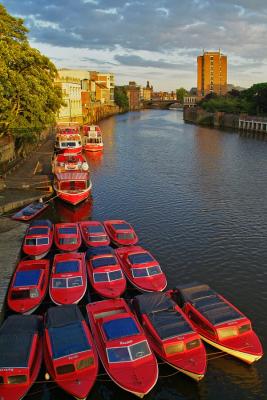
(160, 310)
(27, 278)
(140, 258)
(37, 231)
(104, 261)
(66, 331)
(99, 250)
(122, 226)
(67, 266)
(208, 303)
(120, 328)
(41, 222)
(68, 339)
(16, 336)
(95, 229)
(68, 230)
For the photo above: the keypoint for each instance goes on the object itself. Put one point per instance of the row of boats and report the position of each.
(72, 182)
(126, 335)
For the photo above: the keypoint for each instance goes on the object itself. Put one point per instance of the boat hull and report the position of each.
(93, 148)
(73, 198)
(75, 150)
(246, 357)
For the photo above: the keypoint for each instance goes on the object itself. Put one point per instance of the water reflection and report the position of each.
(68, 213)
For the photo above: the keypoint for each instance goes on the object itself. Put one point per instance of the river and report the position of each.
(197, 199)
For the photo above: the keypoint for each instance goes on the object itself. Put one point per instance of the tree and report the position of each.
(180, 93)
(256, 95)
(29, 99)
(121, 98)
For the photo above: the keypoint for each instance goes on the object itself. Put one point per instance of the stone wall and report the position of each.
(199, 116)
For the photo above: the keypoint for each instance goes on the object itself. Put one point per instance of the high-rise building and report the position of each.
(212, 73)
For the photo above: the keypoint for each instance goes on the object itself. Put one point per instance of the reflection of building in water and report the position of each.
(68, 213)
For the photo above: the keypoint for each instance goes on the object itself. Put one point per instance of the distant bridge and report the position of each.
(162, 104)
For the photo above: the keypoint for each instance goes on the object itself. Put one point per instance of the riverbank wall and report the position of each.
(11, 235)
(199, 116)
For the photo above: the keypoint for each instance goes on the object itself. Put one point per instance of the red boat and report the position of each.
(28, 286)
(68, 236)
(30, 211)
(20, 355)
(69, 352)
(170, 334)
(104, 272)
(68, 128)
(122, 346)
(121, 232)
(68, 280)
(93, 233)
(68, 163)
(218, 322)
(72, 187)
(38, 238)
(68, 143)
(92, 140)
(141, 268)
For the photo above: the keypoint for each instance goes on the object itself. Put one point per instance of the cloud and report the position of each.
(137, 61)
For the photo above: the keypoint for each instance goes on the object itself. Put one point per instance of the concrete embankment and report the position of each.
(11, 235)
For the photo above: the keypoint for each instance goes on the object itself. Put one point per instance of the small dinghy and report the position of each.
(170, 334)
(69, 352)
(68, 280)
(21, 353)
(121, 232)
(29, 212)
(141, 268)
(28, 286)
(122, 346)
(38, 239)
(218, 322)
(67, 236)
(93, 233)
(105, 273)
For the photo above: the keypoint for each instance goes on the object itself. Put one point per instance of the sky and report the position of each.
(149, 40)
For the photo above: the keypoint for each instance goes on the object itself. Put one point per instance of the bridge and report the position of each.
(162, 104)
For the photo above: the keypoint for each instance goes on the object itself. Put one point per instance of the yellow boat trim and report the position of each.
(196, 377)
(248, 358)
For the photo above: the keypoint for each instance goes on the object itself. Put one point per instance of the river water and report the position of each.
(197, 199)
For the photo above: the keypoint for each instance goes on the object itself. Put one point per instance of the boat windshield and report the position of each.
(140, 258)
(63, 283)
(71, 240)
(107, 276)
(68, 144)
(36, 241)
(125, 236)
(100, 238)
(128, 353)
(150, 271)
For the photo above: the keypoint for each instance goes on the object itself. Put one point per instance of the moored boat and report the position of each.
(72, 186)
(28, 286)
(141, 268)
(68, 143)
(30, 211)
(170, 334)
(67, 236)
(122, 346)
(121, 232)
(68, 282)
(218, 322)
(105, 273)
(38, 238)
(20, 355)
(92, 139)
(69, 352)
(93, 233)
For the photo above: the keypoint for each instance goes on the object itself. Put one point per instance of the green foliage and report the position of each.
(28, 97)
(180, 93)
(121, 98)
(252, 101)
